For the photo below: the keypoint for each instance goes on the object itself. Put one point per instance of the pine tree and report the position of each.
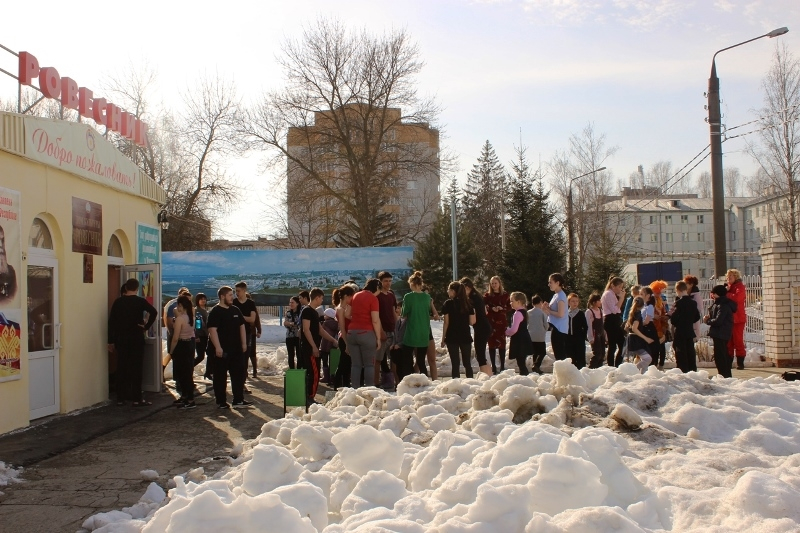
(433, 256)
(533, 242)
(605, 260)
(483, 207)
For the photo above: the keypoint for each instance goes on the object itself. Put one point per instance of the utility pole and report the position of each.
(717, 185)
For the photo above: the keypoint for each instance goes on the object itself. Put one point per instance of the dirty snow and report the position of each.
(592, 450)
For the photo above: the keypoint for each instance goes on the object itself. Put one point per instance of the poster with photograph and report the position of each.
(10, 296)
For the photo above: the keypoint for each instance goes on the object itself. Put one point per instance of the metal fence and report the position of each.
(754, 328)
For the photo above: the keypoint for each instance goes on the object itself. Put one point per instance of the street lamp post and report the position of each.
(717, 186)
(570, 222)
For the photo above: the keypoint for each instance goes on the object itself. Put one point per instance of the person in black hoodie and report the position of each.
(720, 318)
(578, 329)
(684, 315)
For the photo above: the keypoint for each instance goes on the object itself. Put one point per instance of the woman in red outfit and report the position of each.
(498, 306)
(736, 292)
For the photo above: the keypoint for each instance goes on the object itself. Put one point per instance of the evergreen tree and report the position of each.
(533, 242)
(433, 256)
(483, 207)
(605, 260)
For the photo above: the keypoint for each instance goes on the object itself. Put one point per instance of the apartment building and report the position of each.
(680, 227)
(406, 169)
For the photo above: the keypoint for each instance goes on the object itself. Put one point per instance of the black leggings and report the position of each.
(493, 354)
(343, 371)
(480, 348)
(293, 351)
(405, 365)
(612, 324)
(200, 349)
(558, 341)
(721, 357)
(466, 351)
(182, 368)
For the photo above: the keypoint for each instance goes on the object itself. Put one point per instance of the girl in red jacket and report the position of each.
(736, 293)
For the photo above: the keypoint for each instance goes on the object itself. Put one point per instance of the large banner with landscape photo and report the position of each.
(270, 273)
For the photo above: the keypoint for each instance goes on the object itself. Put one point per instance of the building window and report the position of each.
(622, 221)
(701, 237)
(411, 184)
(684, 237)
(654, 237)
(684, 219)
(702, 273)
(637, 220)
(771, 230)
(668, 237)
(638, 237)
(654, 219)
(733, 235)
(699, 219)
(668, 219)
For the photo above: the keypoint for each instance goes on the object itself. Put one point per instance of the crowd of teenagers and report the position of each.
(381, 339)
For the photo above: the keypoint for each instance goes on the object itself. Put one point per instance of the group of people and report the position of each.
(381, 339)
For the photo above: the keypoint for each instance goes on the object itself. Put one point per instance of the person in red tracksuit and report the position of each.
(736, 293)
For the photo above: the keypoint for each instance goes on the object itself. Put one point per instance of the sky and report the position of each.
(509, 71)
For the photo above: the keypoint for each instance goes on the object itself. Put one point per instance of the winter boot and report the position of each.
(387, 381)
(739, 363)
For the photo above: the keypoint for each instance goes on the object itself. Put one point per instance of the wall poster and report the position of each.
(10, 298)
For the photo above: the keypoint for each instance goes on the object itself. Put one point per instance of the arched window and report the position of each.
(40, 235)
(114, 247)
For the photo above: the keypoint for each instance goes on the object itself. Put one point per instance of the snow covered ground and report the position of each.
(574, 451)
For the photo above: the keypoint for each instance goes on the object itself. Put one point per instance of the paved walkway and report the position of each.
(79, 465)
(82, 464)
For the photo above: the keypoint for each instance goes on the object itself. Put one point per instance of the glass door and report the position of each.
(44, 340)
(149, 277)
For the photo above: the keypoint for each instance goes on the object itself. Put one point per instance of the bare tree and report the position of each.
(588, 150)
(778, 151)
(732, 179)
(353, 132)
(704, 185)
(187, 151)
(659, 175)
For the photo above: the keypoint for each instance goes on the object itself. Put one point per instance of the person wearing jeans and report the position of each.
(364, 334)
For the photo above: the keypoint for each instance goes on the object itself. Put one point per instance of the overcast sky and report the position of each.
(636, 69)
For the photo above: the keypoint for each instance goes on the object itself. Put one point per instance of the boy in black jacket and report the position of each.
(720, 318)
(683, 317)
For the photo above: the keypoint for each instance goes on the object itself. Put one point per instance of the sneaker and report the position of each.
(223, 406)
(178, 402)
(187, 405)
(243, 403)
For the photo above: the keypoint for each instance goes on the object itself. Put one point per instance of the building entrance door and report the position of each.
(44, 336)
(149, 277)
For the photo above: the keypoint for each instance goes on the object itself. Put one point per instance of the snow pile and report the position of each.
(592, 450)
(8, 475)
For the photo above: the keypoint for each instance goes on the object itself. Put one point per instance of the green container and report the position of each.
(294, 389)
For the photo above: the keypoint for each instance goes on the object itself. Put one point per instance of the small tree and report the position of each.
(605, 259)
(433, 256)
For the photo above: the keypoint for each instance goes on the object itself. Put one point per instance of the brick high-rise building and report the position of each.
(371, 159)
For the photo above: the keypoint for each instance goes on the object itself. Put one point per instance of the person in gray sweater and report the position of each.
(537, 328)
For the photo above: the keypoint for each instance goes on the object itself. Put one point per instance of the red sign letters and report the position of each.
(81, 99)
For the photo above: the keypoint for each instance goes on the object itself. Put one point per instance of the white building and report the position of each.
(680, 227)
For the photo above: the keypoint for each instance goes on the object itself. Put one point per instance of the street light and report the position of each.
(570, 224)
(717, 190)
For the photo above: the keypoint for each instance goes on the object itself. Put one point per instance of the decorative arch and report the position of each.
(44, 236)
(125, 244)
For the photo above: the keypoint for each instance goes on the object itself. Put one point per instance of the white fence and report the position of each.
(754, 328)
